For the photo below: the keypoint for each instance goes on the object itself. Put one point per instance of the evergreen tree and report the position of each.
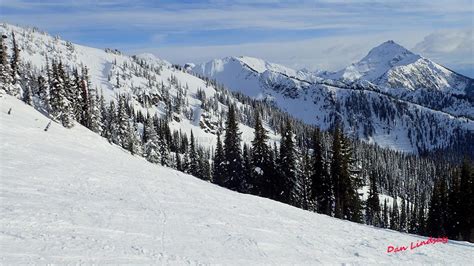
(413, 227)
(219, 167)
(151, 146)
(60, 106)
(395, 216)
(43, 93)
(85, 105)
(372, 211)
(193, 158)
(185, 162)
(466, 203)
(321, 181)
(262, 163)
(437, 214)
(287, 164)
(422, 216)
(204, 166)
(177, 159)
(247, 169)
(123, 123)
(6, 79)
(232, 153)
(76, 98)
(403, 217)
(28, 96)
(385, 214)
(164, 149)
(305, 196)
(134, 141)
(15, 60)
(95, 111)
(347, 202)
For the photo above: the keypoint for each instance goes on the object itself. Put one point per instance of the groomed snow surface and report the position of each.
(68, 196)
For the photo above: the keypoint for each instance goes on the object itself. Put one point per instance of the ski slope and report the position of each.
(68, 196)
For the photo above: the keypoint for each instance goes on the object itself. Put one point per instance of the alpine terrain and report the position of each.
(391, 97)
(113, 158)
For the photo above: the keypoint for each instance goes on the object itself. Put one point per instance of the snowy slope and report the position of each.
(68, 196)
(392, 97)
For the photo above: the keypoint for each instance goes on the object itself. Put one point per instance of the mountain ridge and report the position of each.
(393, 72)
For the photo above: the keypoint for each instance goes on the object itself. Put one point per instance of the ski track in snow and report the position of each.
(68, 196)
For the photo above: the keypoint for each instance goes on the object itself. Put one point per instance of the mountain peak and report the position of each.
(378, 61)
(387, 51)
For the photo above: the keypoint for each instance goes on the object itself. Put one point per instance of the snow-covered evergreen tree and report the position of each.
(232, 152)
(152, 153)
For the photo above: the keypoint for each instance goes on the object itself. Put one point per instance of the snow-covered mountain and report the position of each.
(70, 197)
(392, 96)
(416, 117)
(391, 65)
(153, 84)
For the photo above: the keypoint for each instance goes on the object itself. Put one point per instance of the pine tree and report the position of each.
(77, 99)
(395, 216)
(193, 158)
(95, 111)
(134, 141)
(422, 216)
(28, 96)
(164, 150)
(219, 167)
(287, 164)
(403, 217)
(151, 146)
(204, 166)
(437, 215)
(413, 227)
(123, 123)
(177, 159)
(347, 202)
(85, 104)
(305, 195)
(232, 152)
(5, 69)
(321, 181)
(385, 214)
(262, 163)
(247, 169)
(60, 105)
(185, 162)
(373, 205)
(15, 60)
(466, 203)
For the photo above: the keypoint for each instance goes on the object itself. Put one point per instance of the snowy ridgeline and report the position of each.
(391, 97)
(68, 196)
(148, 80)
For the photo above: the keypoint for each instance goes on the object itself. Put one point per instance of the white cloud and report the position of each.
(452, 48)
(448, 43)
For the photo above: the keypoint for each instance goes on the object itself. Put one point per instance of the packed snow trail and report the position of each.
(68, 196)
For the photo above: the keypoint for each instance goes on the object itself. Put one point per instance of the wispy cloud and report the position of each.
(327, 33)
(453, 48)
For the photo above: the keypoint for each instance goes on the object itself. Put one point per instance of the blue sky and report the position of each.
(327, 34)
